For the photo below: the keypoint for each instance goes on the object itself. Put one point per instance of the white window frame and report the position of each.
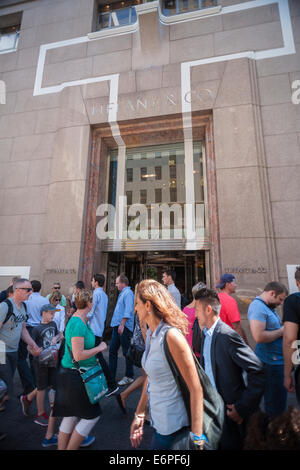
(17, 35)
(113, 21)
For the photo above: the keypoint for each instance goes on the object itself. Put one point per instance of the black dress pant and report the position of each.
(109, 379)
(233, 435)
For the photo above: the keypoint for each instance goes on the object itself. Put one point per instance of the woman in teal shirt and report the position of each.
(71, 401)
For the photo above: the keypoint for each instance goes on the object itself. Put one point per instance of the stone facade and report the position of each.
(46, 139)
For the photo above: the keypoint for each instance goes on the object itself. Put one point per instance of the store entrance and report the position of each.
(189, 267)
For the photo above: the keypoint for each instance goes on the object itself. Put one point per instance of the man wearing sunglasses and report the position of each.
(13, 328)
(56, 288)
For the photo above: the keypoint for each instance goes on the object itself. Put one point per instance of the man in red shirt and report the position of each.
(229, 309)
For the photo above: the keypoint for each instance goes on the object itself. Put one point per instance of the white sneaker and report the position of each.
(125, 381)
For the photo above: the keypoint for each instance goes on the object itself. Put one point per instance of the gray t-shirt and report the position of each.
(10, 332)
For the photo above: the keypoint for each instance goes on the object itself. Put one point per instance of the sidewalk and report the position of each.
(111, 432)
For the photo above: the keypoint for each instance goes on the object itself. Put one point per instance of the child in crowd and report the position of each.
(45, 334)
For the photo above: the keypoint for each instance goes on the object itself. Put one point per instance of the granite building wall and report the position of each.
(45, 139)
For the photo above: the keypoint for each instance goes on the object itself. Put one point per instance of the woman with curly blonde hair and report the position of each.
(168, 414)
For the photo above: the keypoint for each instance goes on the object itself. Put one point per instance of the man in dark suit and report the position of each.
(225, 358)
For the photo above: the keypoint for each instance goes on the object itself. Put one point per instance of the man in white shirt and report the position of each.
(97, 315)
(168, 279)
(34, 303)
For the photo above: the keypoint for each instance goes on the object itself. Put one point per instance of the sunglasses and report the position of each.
(56, 287)
(28, 289)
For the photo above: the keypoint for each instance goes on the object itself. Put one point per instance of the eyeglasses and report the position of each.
(56, 287)
(28, 289)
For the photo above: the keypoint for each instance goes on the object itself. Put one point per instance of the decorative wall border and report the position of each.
(186, 107)
(286, 26)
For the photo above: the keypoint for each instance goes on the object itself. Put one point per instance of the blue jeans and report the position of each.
(161, 442)
(118, 340)
(26, 372)
(275, 396)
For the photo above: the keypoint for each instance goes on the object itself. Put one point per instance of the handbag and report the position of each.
(135, 351)
(213, 407)
(134, 355)
(93, 379)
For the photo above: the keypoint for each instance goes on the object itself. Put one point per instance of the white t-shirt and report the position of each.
(60, 318)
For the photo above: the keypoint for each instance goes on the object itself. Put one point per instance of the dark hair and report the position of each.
(257, 429)
(36, 286)
(123, 279)
(209, 297)
(170, 272)
(277, 287)
(10, 290)
(100, 278)
(284, 431)
(297, 274)
(79, 285)
(280, 433)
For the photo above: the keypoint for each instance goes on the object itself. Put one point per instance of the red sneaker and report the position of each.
(25, 404)
(42, 419)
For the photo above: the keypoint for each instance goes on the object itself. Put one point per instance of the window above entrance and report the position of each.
(150, 194)
(157, 167)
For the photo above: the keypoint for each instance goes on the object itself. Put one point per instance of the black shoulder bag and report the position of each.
(213, 407)
(135, 353)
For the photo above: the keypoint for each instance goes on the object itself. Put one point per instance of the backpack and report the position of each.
(10, 310)
(213, 405)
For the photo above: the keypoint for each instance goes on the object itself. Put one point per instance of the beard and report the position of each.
(272, 306)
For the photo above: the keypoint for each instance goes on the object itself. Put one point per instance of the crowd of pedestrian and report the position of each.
(52, 340)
